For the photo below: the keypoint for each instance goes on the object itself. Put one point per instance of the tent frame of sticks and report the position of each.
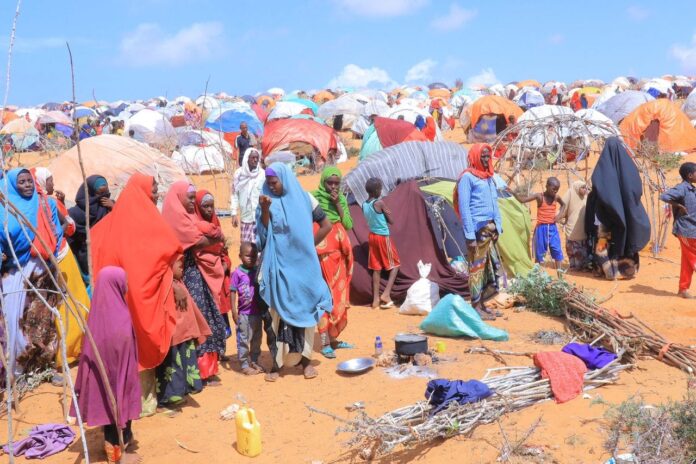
(529, 162)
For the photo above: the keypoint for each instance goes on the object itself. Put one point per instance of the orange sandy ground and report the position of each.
(569, 433)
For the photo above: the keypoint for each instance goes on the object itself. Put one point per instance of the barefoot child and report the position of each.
(572, 216)
(383, 255)
(546, 237)
(246, 310)
(683, 201)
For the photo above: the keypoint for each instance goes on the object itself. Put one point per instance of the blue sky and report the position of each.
(142, 48)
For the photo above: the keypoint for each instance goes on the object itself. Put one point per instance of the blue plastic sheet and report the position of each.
(453, 316)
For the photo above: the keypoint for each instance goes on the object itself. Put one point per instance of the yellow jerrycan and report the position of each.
(248, 433)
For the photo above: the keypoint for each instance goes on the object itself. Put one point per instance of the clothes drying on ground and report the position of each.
(593, 357)
(43, 441)
(565, 372)
(441, 392)
(455, 317)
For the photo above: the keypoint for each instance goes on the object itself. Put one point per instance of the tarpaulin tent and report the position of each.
(280, 133)
(407, 160)
(199, 160)
(493, 104)
(228, 119)
(386, 132)
(152, 128)
(529, 98)
(413, 236)
(304, 102)
(689, 107)
(621, 105)
(513, 243)
(55, 117)
(675, 130)
(116, 158)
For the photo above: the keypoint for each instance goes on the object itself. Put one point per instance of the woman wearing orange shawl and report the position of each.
(476, 201)
(194, 235)
(117, 240)
(214, 261)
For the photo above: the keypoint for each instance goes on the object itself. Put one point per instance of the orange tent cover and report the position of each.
(281, 132)
(494, 104)
(676, 132)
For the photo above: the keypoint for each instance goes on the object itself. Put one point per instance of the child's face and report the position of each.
(178, 268)
(691, 177)
(248, 256)
(552, 189)
(582, 191)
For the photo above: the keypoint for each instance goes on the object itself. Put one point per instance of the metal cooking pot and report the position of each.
(408, 344)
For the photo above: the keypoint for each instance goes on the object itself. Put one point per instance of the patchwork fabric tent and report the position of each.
(490, 106)
(675, 130)
(116, 158)
(281, 133)
(386, 132)
(413, 235)
(405, 161)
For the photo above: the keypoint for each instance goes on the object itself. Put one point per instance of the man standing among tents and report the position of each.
(476, 201)
(244, 140)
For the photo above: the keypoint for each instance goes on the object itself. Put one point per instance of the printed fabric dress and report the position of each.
(336, 261)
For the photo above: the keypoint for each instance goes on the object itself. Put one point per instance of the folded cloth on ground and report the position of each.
(440, 392)
(43, 441)
(565, 372)
(594, 358)
(453, 316)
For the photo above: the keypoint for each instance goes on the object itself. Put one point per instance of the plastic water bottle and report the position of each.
(378, 346)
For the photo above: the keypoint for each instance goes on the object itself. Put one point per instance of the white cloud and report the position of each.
(353, 75)
(381, 8)
(637, 13)
(149, 45)
(421, 71)
(454, 19)
(556, 39)
(686, 55)
(486, 77)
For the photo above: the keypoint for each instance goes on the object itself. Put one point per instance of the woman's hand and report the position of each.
(235, 221)
(106, 202)
(180, 297)
(60, 196)
(334, 197)
(265, 202)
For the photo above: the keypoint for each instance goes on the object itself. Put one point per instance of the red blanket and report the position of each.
(565, 372)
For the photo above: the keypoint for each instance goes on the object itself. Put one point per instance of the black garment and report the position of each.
(616, 201)
(78, 241)
(111, 434)
(242, 144)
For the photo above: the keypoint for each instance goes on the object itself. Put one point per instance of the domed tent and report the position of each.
(386, 132)
(660, 121)
(199, 160)
(529, 98)
(622, 104)
(116, 158)
(152, 128)
(488, 116)
(228, 118)
(346, 107)
(282, 132)
(689, 107)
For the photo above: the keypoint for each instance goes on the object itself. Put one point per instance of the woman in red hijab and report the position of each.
(476, 201)
(195, 235)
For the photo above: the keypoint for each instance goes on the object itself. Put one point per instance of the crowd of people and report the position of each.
(163, 309)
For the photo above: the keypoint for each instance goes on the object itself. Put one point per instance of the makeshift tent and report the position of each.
(323, 96)
(689, 107)
(203, 138)
(346, 106)
(286, 109)
(55, 117)
(116, 158)
(529, 83)
(199, 160)
(309, 104)
(408, 160)
(529, 98)
(513, 243)
(621, 105)
(281, 133)
(488, 116)
(229, 117)
(386, 132)
(152, 128)
(413, 236)
(492, 104)
(675, 130)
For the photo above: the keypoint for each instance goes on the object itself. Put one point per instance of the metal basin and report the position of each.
(355, 365)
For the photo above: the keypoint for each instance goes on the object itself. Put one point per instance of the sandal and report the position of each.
(485, 315)
(343, 346)
(328, 352)
(271, 377)
(387, 305)
(310, 372)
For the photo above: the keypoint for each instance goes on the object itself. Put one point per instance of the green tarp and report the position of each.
(517, 229)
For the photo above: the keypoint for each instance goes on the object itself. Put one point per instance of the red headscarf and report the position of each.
(210, 259)
(117, 240)
(475, 168)
(184, 224)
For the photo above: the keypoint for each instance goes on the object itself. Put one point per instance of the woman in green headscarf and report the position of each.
(336, 259)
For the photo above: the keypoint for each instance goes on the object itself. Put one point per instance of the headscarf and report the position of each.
(324, 198)
(96, 210)
(574, 212)
(291, 281)
(181, 221)
(244, 176)
(41, 213)
(118, 241)
(475, 168)
(616, 200)
(209, 259)
(41, 175)
(111, 327)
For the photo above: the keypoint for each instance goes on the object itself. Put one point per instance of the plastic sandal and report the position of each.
(328, 352)
(344, 345)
